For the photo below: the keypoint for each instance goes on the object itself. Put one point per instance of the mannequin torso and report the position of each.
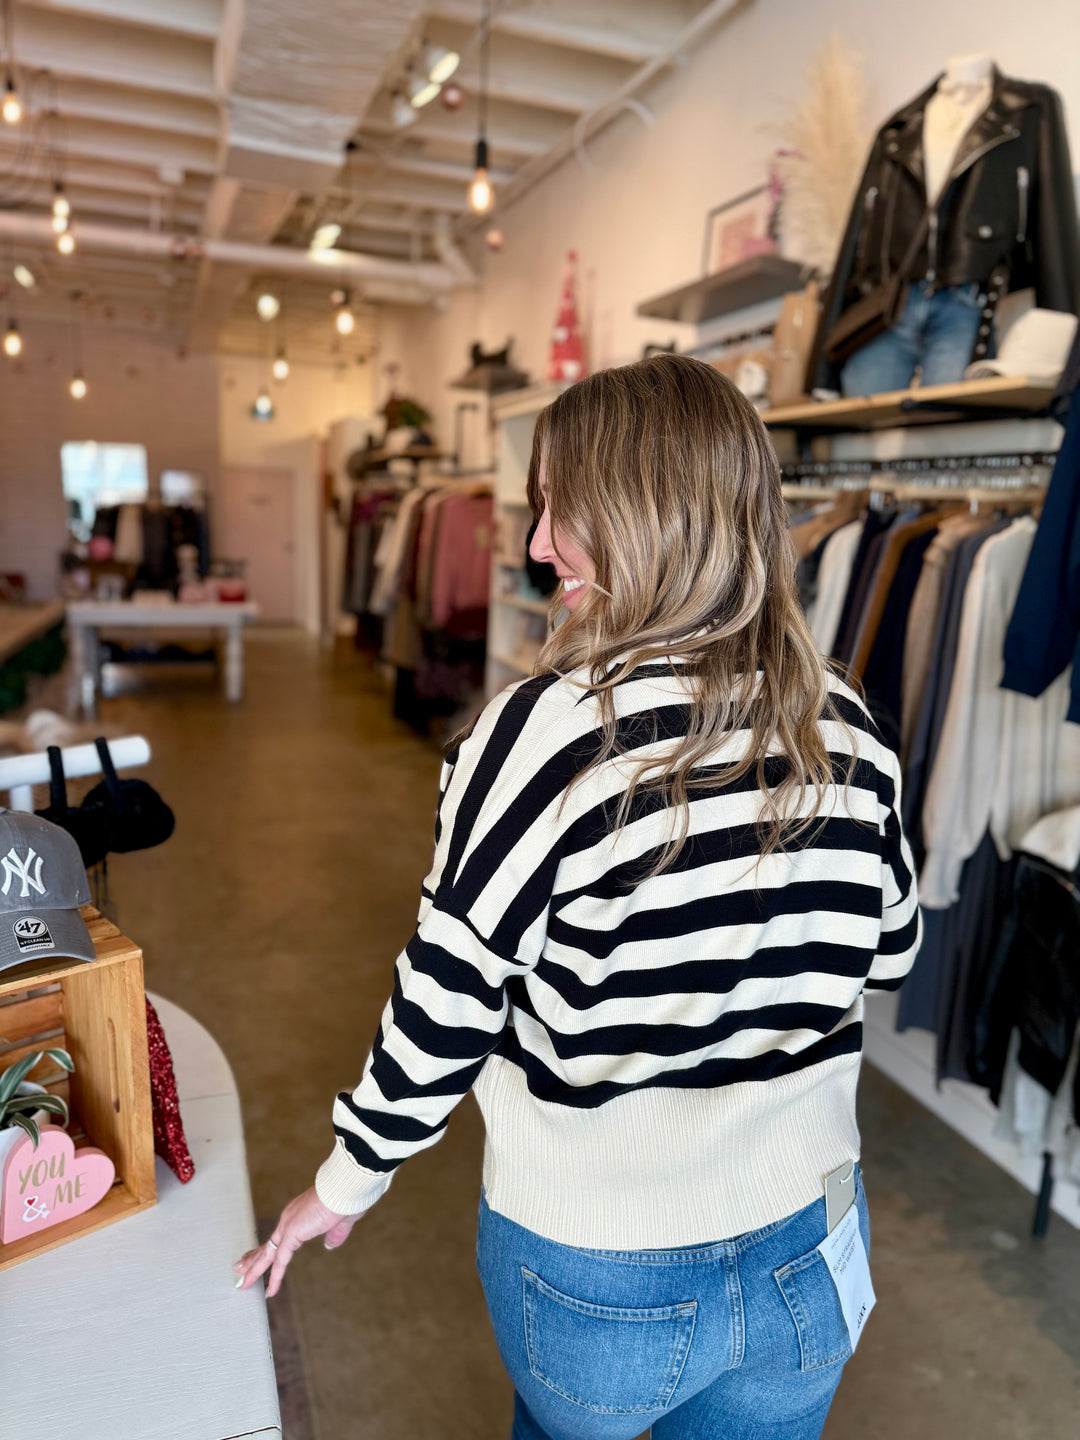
(963, 93)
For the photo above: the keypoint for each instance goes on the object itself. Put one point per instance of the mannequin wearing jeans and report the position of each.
(935, 335)
(937, 330)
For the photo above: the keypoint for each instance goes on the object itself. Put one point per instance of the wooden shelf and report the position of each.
(1003, 396)
(528, 401)
(736, 288)
(521, 602)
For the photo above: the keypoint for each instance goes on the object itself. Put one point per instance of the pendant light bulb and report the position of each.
(280, 367)
(12, 340)
(59, 223)
(264, 406)
(77, 387)
(65, 243)
(345, 321)
(481, 190)
(61, 205)
(268, 306)
(11, 109)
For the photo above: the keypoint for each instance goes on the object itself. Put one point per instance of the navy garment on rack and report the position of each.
(1044, 633)
(931, 718)
(874, 526)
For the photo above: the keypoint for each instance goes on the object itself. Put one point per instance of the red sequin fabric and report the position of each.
(169, 1139)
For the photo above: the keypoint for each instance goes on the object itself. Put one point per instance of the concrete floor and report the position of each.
(275, 914)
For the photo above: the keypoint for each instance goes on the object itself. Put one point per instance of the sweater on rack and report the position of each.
(659, 1061)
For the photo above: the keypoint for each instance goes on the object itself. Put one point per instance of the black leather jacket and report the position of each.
(1007, 210)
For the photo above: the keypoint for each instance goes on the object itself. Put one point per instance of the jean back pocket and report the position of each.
(608, 1359)
(812, 1298)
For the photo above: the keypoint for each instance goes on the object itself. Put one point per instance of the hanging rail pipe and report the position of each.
(20, 773)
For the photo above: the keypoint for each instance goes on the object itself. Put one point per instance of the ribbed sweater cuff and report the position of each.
(347, 1188)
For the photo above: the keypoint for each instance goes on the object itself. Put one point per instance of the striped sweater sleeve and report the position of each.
(901, 920)
(481, 923)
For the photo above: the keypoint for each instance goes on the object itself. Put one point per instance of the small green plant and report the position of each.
(17, 1109)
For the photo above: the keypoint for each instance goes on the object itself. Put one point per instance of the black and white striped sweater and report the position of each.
(659, 1062)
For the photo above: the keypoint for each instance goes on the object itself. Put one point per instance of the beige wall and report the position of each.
(307, 405)
(140, 392)
(637, 218)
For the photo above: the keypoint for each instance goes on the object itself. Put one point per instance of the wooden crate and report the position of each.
(98, 1013)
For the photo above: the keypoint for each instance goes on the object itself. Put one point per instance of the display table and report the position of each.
(87, 618)
(22, 624)
(137, 1332)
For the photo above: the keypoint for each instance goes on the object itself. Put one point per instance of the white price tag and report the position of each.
(845, 1254)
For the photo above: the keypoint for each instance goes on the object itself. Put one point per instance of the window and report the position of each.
(96, 476)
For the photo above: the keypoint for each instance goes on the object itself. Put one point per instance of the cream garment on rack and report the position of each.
(834, 576)
(923, 616)
(391, 554)
(960, 794)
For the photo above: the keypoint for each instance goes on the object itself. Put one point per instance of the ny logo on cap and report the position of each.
(28, 871)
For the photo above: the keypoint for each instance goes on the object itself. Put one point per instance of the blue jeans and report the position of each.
(743, 1339)
(936, 333)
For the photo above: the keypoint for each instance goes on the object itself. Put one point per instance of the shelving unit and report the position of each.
(765, 277)
(1003, 397)
(517, 616)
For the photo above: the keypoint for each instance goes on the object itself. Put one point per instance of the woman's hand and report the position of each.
(304, 1218)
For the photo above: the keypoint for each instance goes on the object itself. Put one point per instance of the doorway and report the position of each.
(258, 525)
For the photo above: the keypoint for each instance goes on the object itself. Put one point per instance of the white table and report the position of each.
(137, 1332)
(87, 618)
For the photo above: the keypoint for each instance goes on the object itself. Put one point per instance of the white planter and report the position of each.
(12, 1134)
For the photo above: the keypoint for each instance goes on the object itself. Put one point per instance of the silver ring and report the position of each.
(271, 1244)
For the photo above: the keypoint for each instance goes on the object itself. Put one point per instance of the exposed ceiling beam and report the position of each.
(115, 52)
(199, 18)
(372, 164)
(81, 99)
(107, 204)
(461, 137)
(125, 144)
(615, 40)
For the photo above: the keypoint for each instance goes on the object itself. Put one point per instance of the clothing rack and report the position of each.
(20, 773)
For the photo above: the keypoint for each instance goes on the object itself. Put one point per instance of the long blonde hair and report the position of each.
(663, 474)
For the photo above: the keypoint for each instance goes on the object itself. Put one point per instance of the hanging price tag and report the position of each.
(845, 1254)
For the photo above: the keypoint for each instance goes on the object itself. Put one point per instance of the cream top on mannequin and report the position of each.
(963, 93)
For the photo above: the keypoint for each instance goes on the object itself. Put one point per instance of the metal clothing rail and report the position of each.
(20, 773)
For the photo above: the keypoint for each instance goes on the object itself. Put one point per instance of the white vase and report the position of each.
(12, 1134)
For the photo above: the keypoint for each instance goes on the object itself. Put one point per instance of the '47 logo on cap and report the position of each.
(32, 933)
(28, 871)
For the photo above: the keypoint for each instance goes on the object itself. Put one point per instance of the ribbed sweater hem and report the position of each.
(663, 1167)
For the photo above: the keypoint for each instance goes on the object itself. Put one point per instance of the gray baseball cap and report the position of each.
(42, 885)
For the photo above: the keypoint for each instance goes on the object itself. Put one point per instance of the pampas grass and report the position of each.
(824, 142)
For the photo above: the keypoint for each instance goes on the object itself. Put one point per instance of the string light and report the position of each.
(12, 340)
(65, 243)
(11, 109)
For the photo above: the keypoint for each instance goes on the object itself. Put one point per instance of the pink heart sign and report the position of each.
(53, 1183)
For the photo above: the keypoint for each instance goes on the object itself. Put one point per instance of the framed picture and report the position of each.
(740, 229)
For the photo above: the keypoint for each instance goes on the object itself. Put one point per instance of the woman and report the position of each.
(666, 867)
